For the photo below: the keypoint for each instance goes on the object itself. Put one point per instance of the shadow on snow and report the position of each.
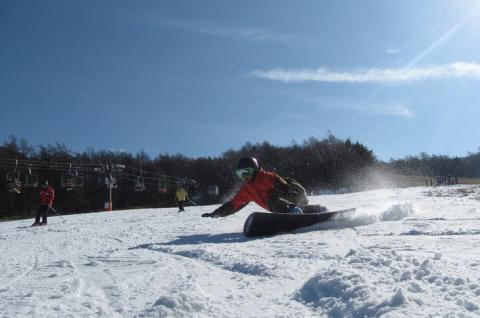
(199, 239)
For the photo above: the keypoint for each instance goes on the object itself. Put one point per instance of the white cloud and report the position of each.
(387, 110)
(376, 75)
(245, 33)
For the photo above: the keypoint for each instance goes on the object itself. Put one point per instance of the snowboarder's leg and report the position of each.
(298, 195)
(280, 205)
(291, 201)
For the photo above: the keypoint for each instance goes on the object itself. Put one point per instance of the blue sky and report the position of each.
(201, 77)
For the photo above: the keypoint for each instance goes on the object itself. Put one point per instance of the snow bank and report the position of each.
(160, 263)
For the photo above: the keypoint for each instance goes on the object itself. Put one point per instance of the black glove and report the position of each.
(210, 215)
(224, 210)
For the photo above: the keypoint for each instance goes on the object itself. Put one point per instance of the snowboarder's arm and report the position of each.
(225, 210)
(280, 185)
(236, 204)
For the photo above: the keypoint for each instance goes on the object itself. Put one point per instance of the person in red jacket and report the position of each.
(47, 195)
(268, 190)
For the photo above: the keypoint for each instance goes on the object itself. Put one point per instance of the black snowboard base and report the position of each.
(267, 223)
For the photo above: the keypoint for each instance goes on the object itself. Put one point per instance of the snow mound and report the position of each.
(178, 305)
(398, 212)
(338, 294)
(364, 217)
(361, 219)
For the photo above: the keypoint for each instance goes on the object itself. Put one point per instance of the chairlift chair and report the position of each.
(213, 190)
(68, 181)
(14, 184)
(111, 181)
(78, 180)
(139, 184)
(31, 180)
(162, 188)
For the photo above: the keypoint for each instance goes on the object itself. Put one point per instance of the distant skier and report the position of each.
(47, 195)
(180, 196)
(267, 189)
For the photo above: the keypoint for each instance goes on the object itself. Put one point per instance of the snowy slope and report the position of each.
(406, 253)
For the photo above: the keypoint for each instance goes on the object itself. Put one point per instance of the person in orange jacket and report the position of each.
(269, 190)
(47, 195)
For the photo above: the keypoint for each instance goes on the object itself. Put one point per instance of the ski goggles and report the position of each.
(244, 173)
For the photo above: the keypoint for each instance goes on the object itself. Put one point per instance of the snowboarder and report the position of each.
(267, 189)
(180, 196)
(47, 194)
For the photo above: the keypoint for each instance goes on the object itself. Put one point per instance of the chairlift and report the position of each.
(139, 185)
(78, 181)
(162, 186)
(111, 181)
(14, 184)
(68, 181)
(213, 190)
(71, 180)
(31, 180)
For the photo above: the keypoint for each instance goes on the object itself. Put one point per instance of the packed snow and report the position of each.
(405, 253)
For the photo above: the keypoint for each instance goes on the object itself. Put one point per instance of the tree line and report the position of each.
(438, 165)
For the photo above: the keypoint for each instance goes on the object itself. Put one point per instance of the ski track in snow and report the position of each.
(404, 253)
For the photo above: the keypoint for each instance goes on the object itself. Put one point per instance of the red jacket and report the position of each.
(46, 196)
(259, 190)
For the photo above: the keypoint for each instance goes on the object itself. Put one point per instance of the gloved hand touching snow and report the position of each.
(224, 210)
(210, 215)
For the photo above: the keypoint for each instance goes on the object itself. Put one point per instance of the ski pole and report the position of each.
(51, 208)
(192, 202)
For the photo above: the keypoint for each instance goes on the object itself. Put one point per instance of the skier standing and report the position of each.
(180, 196)
(47, 195)
(267, 189)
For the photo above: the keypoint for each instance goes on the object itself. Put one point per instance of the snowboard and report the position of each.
(267, 223)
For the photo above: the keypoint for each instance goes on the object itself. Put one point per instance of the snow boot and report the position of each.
(295, 210)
